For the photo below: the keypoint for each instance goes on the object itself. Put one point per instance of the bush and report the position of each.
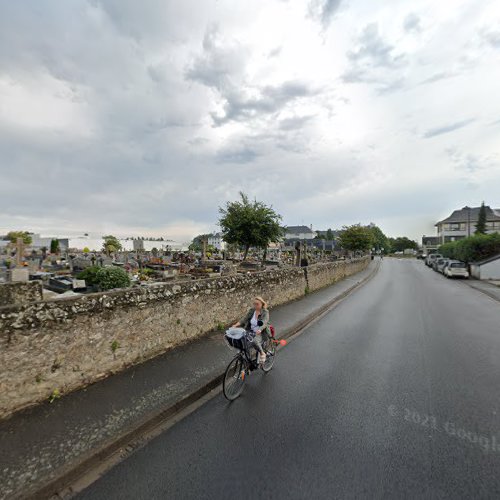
(472, 249)
(89, 275)
(106, 278)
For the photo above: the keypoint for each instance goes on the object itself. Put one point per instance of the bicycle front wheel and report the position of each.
(270, 350)
(234, 378)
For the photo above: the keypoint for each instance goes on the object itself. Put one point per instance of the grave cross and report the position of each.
(19, 252)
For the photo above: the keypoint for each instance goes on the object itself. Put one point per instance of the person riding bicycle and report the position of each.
(257, 321)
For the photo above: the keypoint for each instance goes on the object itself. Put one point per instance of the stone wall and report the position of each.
(20, 293)
(66, 344)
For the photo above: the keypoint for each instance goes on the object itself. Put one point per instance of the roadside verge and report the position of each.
(46, 448)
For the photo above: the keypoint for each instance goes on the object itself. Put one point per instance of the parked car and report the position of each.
(441, 261)
(431, 258)
(456, 269)
(441, 265)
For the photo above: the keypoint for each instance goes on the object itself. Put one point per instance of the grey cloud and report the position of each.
(492, 37)
(222, 63)
(469, 164)
(324, 10)
(295, 122)
(436, 77)
(374, 61)
(270, 99)
(373, 49)
(222, 66)
(412, 23)
(446, 129)
(242, 155)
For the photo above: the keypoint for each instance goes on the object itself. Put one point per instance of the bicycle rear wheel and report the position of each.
(270, 350)
(234, 378)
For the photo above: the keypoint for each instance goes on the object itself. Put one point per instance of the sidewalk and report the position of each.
(485, 287)
(47, 442)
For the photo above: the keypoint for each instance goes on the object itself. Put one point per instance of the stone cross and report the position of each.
(19, 252)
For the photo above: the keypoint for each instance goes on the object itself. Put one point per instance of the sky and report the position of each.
(142, 118)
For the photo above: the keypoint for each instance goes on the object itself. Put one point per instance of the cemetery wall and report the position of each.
(56, 346)
(20, 292)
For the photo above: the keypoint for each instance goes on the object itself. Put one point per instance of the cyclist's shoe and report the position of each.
(262, 358)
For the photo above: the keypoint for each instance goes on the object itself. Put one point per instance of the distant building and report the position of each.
(38, 242)
(138, 245)
(430, 244)
(462, 223)
(299, 233)
(216, 241)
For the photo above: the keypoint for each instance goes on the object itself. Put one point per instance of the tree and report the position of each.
(481, 221)
(329, 234)
(13, 235)
(402, 243)
(54, 246)
(111, 244)
(197, 243)
(356, 238)
(380, 240)
(249, 224)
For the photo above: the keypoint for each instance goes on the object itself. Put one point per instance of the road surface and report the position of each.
(394, 394)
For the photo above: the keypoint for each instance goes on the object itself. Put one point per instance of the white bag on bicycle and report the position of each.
(236, 338)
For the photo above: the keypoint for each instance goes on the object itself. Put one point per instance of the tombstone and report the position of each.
(19, 274)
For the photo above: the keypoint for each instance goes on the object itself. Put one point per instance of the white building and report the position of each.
(216, 241)
(487, 269)
(299, 233)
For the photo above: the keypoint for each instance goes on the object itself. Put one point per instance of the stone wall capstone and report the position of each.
(68, 343)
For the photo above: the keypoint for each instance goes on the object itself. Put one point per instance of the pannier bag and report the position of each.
(236, 338)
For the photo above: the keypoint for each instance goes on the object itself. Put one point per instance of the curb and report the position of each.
(60, 487)
(488, 294)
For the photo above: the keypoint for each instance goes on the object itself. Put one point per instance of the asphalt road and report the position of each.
(394, 394)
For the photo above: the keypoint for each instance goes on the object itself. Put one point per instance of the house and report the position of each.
(430, 244)
(487, 269)
(462, 223)
(216, 241)
(299, 233)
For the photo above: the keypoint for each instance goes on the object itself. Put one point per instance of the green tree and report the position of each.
(402, 243)
(481, 221)
(356, 238)
(249, 224)
(329, 234)
(54, 246)
(380, 240)
(197, 243)
(111, 244)
(13, 235)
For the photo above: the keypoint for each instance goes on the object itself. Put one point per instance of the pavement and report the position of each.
(52, 441)
(393, 394)
(487, 287)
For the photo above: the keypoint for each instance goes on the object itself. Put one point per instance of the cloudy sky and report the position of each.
(143, 117)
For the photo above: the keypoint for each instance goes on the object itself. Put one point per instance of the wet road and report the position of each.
(394, 394)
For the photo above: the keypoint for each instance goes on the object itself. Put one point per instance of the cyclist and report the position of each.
(257, 320)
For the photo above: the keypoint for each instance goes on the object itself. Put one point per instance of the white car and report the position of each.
(456, 269)
(431, 258)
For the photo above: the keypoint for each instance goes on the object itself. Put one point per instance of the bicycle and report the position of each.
(245, 360)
